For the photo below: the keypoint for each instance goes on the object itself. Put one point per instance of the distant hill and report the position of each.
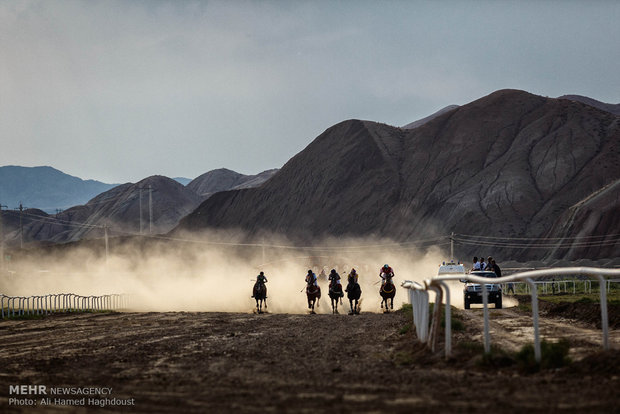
(423, 121)
(45, 188)
(509, 165)
(119, 208)
(223, 179)
(613, 108)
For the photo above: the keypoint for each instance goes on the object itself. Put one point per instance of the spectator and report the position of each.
(476, 264)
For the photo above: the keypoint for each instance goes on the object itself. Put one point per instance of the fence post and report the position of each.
(537, 353)
(448, 319)
(604, 318)
(436, 316)
(485, 311)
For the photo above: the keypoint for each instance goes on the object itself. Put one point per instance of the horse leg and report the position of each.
(265, 300)
(391, 302)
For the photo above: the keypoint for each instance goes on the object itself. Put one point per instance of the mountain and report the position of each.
(423, 121)
(613, 108)
(508, 165)
(223, 179)
(119, 208)
(45, 188)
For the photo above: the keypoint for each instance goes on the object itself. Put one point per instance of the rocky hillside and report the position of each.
(613, 108)
(223, 179)
(119, 208)
(424, 120)
(511, 164)
(45, 188)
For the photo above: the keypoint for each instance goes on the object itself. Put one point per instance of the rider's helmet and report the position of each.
(262, 273)
(333, 271)
(385, 266)
(353, 271)
(309, 271)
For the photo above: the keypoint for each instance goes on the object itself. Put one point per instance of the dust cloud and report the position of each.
(196, 274)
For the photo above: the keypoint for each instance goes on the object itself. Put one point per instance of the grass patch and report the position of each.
(553, 355)
(613, 297)
(403, 358)
(525, 307)
(406, 307)
(405, 329)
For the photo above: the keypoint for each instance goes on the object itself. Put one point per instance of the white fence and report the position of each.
(14, 306)
(418, 297)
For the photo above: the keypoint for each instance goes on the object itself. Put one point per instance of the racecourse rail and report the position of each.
(18, 306)
(418, 297)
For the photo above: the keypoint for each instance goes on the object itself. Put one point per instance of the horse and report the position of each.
(387, 291)
(354, 291)
(260, 294)
(314, 293)
(335, 293)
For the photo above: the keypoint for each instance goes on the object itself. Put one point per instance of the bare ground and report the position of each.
(236, 362)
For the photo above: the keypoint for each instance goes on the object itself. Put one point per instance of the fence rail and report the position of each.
(439, 284)
(15, 306)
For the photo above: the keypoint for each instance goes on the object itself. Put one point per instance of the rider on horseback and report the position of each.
(311, 278)
(335, 284)
(386, 274)
(334, 277)
(353, 276)
(260, 279)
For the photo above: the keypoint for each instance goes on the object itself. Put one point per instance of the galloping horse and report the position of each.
(260, 294)
(314, 293)
(354, 291)
(387, 291)
(335, 293)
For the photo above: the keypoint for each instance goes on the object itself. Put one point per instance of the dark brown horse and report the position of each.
(314, 293)
(387, 291)
(260, 294)
(354, 291)
(335, 293)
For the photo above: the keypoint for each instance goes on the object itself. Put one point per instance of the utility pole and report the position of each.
(1, 241)
(21, 227)
(150, 188)
(150, 209)
(452, 247)
(140, 192)
(105, 236)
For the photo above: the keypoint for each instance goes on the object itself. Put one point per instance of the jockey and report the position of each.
(311, 278)
(353, 276)
(334, 277)
(261, 278)
(386, 274)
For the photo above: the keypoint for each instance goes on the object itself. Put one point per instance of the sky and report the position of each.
(117, 91)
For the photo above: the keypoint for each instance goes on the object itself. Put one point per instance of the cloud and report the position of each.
(120, 90)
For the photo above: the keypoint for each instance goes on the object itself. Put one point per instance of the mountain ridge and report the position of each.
(507, 164)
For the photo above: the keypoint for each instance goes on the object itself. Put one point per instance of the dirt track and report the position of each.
(234, 362)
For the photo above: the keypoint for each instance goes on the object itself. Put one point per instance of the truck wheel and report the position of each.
(498, 303)
(466, 304)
